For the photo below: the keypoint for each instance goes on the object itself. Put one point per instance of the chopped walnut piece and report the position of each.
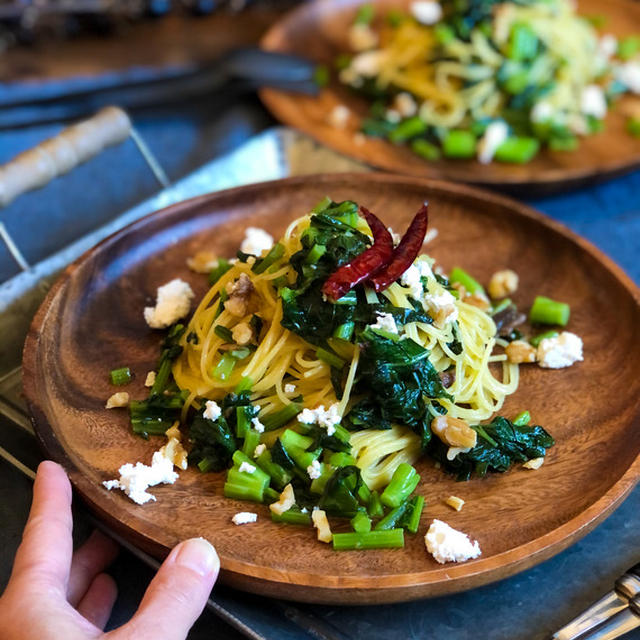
(454, 431)
(242, 333)
(202, 262)
(120, 399)
(454, 502)
(534, 463)
(503, 283)
(240, 293)
(321, 523)
(520, 351)
(443, 313)
(478, 300)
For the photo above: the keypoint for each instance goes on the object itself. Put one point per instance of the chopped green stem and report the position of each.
(270, 496)
(275, 253)
(322, 205)
(121, 376)
(536, 340)
(459, 143)
(547, 311)
(281, 417)
(501, 306)
(251, 441)
(317, 251)
(393, 518)
(375, 508)
(460, 276)
(293, 516)
(291, 438)
(392, 539)
(517, 150)
(244, 492)
(361, 522)
(404, 480)
(341, 459)
(219, 270)
(425, 149)
(411, 518)
(245, 384)
(224, 368)
(344, 331)
(223, 332)
(522, 419)
(407, 129)
(371, 296)
(330, 358)
(279, 475)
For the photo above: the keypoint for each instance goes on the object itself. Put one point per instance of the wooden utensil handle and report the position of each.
(58, 155)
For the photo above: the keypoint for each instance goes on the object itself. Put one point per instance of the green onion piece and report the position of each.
(293, 516)
(245, 384)
(326, 202)
(258, 478)
(219, 270)
(365, 14)
(459, 143)
(371, 296)
(404, 480)
(259, 475)
(407, 129)
(523, 43)
(292, 439)
(374, 508)
(251, 441)
(243, 492)
(547, 311)
(223, 332)
(342, 459)
(392, 539)
(321, 75)
(628, 47)
(302, 458)
(633, 127)
(501, 306)
(279, 476)
(121, 376)
(224, 368)
(344, 331)
(242, 421)
(364, 494)
(318, 484)
(205, 464)
(317, 251)
(517, 150)
(361, 522)
(522, 419)
(564, 143)
(270, 496)
(262, 264)
(224, 296)
(444, 33)
(425, 149)
(241, 352)
(330, 358)
(411, 518)
(536, 340)
(393, 518)
(281, 417)
(460, 276)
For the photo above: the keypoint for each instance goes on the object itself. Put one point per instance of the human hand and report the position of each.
(54, 593)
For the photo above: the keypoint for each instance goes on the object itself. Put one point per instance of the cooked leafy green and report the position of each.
(213, 443)
(340, 495)
(500, 444)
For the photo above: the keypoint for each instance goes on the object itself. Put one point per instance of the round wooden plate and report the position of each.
(91, 322)
(318, 30)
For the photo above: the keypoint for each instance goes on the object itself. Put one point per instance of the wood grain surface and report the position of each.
(318, 30)
(91, 322)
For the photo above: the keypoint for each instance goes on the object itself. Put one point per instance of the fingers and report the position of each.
(44, 556)
(93, 557)
(97, 602)
(177, 594)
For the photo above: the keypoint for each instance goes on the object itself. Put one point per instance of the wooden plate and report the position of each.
(91, 322)
(318, 30)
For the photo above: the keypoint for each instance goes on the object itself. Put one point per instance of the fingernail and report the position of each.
(198, 555)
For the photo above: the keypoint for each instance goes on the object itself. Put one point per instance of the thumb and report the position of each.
(177, 594)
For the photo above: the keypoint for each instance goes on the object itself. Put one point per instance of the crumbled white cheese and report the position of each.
(212, 410)
(362, 37)
(289, 388)
(259, 450)
(405, 105)
(542, 111)
(411, 279)
(150, 379)
(447, 544)
(256, 241)
(339, 116)
(426, 11)
(135, 479)
(440, 300)
(314, 470)
(495, 134)
(327, 418)
(257, 425)
(559, 351)
(245, 467)
(393, 116)
(608, 45)
(173, 302)
(385, 322)
(244, 517)
(629, 75)
(593, 102)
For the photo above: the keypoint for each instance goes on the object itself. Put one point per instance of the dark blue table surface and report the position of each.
(529, 605)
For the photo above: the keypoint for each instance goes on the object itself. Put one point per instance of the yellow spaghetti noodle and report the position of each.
(283, 361)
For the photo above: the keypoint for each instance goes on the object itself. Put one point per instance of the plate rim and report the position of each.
(546, 182)
(392, 587)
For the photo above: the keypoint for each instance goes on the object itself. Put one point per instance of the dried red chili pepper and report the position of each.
(364, 265)
(405, 253)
